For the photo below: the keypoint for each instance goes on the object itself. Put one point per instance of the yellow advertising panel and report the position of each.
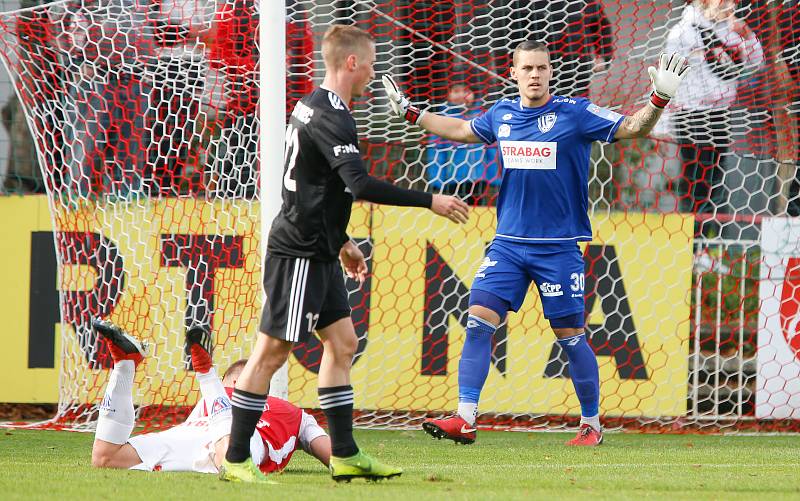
(153, 266)
(147, 266)
(23, 218)
(643, 363)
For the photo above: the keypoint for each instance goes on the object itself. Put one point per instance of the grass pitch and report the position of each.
(55, 465)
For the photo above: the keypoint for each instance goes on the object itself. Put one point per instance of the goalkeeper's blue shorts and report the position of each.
(557, 270)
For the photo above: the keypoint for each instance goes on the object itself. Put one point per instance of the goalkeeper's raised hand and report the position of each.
(399, 103)
(667, 78)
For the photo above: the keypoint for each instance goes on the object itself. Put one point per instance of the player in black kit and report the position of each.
(323, 173)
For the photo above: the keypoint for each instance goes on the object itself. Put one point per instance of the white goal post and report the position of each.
(272, 60)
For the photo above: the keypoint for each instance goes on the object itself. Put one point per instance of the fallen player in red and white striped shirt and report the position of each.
(198, 444)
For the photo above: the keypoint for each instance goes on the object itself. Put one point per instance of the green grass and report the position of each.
(55, 465)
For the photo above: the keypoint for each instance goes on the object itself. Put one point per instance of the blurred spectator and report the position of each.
(772, 127)
(579, 37)
(299, 55)
(113, 48)
(721, 50)
(465, 170)
(23, 174)
(39, 85)
(178, 88)
(789, 44)
(233, 48)
(578, 33)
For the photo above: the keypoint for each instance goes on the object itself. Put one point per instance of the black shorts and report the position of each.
(302, 295)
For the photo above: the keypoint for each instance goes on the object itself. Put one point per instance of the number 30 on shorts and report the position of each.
(577, 282)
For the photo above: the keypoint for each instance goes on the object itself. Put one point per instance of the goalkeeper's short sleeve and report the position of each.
(483, 126)
(596, 123)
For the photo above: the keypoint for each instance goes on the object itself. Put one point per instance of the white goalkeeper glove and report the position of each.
(667, 78)
(399, 103)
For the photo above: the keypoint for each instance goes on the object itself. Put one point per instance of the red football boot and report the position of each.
(197, 338)
(452, 428)
(587, 436)
(121, 345)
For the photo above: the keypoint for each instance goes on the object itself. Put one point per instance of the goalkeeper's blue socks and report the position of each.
(474, 366)
(585, 377)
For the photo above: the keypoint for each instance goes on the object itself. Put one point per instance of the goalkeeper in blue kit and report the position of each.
(544, 143)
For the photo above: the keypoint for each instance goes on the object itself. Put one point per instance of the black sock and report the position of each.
(246, 409)
(337, 404)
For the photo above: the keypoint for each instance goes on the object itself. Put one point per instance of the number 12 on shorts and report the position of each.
(312, 321)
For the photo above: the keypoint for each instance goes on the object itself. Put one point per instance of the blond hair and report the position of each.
(341, 41)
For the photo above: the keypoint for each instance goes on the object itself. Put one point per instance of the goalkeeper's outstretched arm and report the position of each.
(666, 80)
(640, 123)
(452, 128)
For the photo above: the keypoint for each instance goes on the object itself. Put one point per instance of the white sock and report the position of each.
(219, 405)
(593, 421)
(115, 422)
(468, 412)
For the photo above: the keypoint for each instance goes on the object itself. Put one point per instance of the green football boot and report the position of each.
(361, 466)
(243, 472)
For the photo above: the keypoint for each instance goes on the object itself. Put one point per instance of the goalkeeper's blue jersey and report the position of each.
(544, 196)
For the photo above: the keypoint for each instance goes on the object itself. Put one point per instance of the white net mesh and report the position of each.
(144, 115)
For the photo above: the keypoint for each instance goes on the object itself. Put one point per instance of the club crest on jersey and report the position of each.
(220, 405)
(335, 101)
(504, 131)
(547, 121)
(507, 116)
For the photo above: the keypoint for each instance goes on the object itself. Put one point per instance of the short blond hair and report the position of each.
(342, 40)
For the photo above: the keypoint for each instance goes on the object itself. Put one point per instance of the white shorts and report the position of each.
(181, 448)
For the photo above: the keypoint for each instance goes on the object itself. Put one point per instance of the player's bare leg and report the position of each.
(269, 355)
(116, 416)
(249, 399)
(339, 343)
(585, 378)
(110, 455)
(473, 369)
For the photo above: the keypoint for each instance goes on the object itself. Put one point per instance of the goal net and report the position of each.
(145, 119)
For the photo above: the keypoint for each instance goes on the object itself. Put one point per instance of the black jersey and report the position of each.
(320, 138)
(322, 174)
